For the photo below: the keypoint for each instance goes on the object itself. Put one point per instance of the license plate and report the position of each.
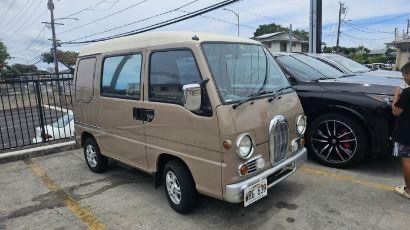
(255, 192)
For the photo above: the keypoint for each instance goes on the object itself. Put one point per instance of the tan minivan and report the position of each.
(202, 113)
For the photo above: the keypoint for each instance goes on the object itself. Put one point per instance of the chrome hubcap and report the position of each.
(91, 155)
(334, 141)
(173, 188)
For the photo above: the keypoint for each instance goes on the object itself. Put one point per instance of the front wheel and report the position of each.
(179, 187)
(337, 141)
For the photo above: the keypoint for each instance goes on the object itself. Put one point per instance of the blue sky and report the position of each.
(25, 36)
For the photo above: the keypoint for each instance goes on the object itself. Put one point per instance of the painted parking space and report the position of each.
(58, 191)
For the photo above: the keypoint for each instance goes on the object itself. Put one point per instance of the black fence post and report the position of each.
(40, 109)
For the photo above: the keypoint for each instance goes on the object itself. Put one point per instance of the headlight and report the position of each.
(382, 98)
(244, 146)
(301, 123)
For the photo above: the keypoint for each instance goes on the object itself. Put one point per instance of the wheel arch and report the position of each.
(84, 136)
(161, 161)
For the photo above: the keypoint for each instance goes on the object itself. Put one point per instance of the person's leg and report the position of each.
(405, 162)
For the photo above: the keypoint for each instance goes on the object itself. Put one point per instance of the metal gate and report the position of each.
(35, 110)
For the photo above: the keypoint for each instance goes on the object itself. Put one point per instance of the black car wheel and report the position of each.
(337, 141)
(179, 187)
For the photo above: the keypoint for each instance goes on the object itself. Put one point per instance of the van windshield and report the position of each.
(243, 70)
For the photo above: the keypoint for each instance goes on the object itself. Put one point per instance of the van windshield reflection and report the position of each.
(243, 70)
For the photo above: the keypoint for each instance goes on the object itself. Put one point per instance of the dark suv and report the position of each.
(349, 116)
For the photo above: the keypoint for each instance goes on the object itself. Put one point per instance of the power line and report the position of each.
(32, 42)
(364, 29)
(105, 17)
(24, 23)
(17, 18)
(220, 20)
(389, 19)
(164, 23)
(138, 21)
(7, 11)
(92, 8)
(368, 39)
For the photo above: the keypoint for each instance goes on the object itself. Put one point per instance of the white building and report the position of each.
(280, 42)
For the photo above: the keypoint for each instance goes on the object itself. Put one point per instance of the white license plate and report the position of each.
(255, 192)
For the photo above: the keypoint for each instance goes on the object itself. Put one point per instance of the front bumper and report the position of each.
(234, 192)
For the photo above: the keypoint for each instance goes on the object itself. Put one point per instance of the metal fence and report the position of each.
(35, 110)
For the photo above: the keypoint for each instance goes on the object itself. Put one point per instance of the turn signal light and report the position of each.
(243, 170)
(227, 144)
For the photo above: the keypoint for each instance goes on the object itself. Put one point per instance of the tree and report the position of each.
(67, 58)
(22, 68)
(4, 56)
(272, 28)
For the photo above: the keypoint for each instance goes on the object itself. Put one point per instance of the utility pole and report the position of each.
(237, 17)
(50, 6)
(395, 34)
(315, 26)
(408, 26)
(290, 38)
(342, 10)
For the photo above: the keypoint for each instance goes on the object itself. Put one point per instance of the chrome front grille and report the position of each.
(252, 166)
(278, 139)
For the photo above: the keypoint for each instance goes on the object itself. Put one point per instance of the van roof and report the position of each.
(157, 38)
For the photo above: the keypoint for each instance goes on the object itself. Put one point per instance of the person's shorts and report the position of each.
(403, 150)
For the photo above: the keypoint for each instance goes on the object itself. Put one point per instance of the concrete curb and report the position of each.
(37, 151)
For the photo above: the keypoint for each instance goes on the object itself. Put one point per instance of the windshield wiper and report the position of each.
(250, 97)
(279, 92)
(322, 78)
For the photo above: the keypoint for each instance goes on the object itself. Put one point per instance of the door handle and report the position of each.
(143, 114)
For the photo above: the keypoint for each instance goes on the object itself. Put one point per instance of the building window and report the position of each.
(122, 76)
(283, 46)
(169, 72)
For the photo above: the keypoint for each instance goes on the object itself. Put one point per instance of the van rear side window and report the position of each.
(84, 82)
(122, 76)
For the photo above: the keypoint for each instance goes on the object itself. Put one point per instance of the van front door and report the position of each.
(122, 135)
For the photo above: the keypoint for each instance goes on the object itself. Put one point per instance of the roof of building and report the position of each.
(268, 35)
(278, 36)
(156, 39)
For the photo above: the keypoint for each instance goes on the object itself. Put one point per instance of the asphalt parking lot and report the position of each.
(59, 192)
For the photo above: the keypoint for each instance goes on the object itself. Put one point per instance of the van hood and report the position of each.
(254, 117)
(363, 84)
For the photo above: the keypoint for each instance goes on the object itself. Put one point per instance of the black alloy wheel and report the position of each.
(337, 141)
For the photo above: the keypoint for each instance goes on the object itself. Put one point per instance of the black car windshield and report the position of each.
(308, 68)
(347, 63)
(241, 70)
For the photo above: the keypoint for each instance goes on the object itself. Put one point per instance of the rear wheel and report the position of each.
(337, 141)
(95, 160)
(179, 186)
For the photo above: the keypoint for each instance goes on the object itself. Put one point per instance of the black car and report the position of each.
(349, 116)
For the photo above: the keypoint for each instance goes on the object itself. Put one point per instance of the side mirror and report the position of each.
(192, 97)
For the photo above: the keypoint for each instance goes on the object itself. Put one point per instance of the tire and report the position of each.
(337, 141)
(95, 160)
(178, 176)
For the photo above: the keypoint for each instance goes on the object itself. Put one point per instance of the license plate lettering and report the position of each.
(255, 192)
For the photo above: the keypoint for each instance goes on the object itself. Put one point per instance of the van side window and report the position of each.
(169, 72)
(122, 76)
(84, 81)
